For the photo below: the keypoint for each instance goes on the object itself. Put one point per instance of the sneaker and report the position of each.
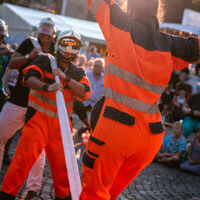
(31, 195)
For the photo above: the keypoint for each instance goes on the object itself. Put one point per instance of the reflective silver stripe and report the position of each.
(42, 109)
(47, 100)
(130, 102)
(95, 6)
(132, 78)
(42, 98)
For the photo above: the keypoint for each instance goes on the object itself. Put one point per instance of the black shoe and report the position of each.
(31, 195)
(5, 196)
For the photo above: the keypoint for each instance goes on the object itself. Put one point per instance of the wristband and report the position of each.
(45, 87)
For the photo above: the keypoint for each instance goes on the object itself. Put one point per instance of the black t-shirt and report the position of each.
(19, 95)
(194, 104)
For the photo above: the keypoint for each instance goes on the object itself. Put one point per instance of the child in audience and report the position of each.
(193, 162)
(175, 146)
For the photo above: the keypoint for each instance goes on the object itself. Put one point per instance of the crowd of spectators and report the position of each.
(180, 109)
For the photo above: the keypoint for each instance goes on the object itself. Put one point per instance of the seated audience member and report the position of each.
(164, 108)
(175, 146)
(193, 162)
(174, 79)
(191, 121)
(178, 102)
(183, 77)
(167, 96)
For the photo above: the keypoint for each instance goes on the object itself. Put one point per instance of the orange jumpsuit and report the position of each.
(43, 130)
(127, 131)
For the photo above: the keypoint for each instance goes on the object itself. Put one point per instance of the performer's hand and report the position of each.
(59, 73)
(54, 87)
(34, 53)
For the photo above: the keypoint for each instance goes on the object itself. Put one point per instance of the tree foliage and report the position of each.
(8, 1)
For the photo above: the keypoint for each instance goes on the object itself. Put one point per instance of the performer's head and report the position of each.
(67, 47)
(3, 30)
(46, 31)
(139, 8)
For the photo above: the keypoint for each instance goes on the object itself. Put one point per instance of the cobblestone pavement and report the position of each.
(156, 182)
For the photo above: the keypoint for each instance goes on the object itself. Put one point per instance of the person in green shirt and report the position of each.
(5, 51)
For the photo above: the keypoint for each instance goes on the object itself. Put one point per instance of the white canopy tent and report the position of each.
(22, 21)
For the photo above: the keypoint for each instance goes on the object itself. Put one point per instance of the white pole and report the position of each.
(72, 166)
(64, 7)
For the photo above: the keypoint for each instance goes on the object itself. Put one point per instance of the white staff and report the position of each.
(72, 167)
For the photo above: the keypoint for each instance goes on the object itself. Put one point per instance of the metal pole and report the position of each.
(64, 7)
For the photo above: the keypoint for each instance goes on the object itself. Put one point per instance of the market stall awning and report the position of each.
(31, 17)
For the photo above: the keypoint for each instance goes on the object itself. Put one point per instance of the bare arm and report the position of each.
(34, 83)
(76, 88)
(18, 60)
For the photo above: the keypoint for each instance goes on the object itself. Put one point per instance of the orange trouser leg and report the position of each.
(127, 150)
(55, 156)
(28, 149)
(134, 164)
(130, 167)
(97, 180)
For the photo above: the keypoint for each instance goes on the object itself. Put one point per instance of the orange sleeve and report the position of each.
(34, 67)
(32, 70)
(85, 81)
(100, 9)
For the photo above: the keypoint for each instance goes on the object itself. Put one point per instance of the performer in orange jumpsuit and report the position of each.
(126, 122)
(43, 129)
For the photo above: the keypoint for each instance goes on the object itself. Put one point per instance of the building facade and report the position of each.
(77, 9)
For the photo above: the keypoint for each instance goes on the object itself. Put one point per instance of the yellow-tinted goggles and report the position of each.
(69, 45)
